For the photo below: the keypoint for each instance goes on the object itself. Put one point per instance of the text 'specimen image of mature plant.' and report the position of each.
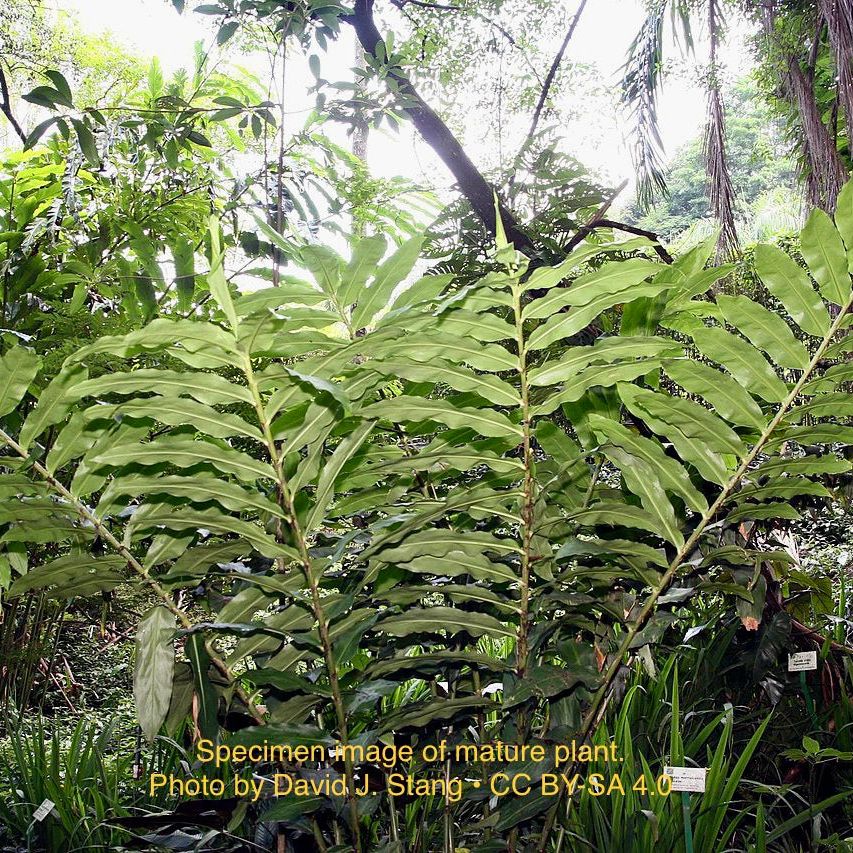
(373, 512)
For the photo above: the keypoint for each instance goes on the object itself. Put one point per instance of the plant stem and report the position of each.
(688, 546)
(528, 491)
(527, 521)
(135, 565)
(286, 502)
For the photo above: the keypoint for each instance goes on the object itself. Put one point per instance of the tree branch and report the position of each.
(6, 107)
(584, 230)
(549, 79)
(439, 137)
(605, 205)
(441, 7)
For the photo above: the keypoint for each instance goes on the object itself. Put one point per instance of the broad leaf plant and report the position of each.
(376, 508)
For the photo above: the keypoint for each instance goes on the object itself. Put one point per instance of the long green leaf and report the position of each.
(207, 388)
(641, 478)
(607, 351)
(331, 471)
(490, 357)
(199, 659)
(826, 257)
(564, 325)
(366, 255)
(672, 476)
(844, 220)
(766, 330)
(154, 669)
(439, 543)
(198, 488)
(186, 453)
(725, 396)
(611, 278)
(456, 563)
(791, 286)
(489, 387)
(484, 421)
(698, 436)
(53, 404)
(432, 620)
(72, 575)
(806, 815)
(175, 411)
(390, 273)
(154, 515)
(325, 265)
(615, 514)
(595, 376)
(18, 368)
(216, 280)
(743, 361)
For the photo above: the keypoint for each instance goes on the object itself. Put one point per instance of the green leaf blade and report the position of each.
(154, 669)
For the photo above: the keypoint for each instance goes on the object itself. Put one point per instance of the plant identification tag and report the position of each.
(801, 661)
(43, 811)
(687, 778)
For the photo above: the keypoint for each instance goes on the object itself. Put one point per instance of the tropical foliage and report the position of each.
(763, 177)
(802, 53)
(338, 477)
(299, 454)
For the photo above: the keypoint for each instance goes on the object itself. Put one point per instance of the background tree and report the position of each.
(805, 52)
(804, 56)
(763, 177)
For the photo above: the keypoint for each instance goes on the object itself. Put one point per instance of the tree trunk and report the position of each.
(360, 136)
(825, 171)
(838, 15)
(440, 138)
(720, 189)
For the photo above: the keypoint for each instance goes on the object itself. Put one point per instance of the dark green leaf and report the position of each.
(432, 620)
(226, 31)
(87, 143)
(154, 669)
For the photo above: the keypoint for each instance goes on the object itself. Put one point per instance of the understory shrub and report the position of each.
(413, 512)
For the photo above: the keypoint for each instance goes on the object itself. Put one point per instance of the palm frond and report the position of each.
(681, 27)
(641, 82)
(720, 189)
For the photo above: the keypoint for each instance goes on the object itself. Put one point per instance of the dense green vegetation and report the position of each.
(763, 178)
(294, 455)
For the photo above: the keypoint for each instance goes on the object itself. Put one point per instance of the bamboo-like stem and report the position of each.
(286, 502)
(394, 829)
(527, 514)
(104, 532)
(279, 203)
(528, 491)
(528, 498)
(669, 575)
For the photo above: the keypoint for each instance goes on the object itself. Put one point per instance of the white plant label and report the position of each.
(801, 661)
(43, 810)
(687, 778)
